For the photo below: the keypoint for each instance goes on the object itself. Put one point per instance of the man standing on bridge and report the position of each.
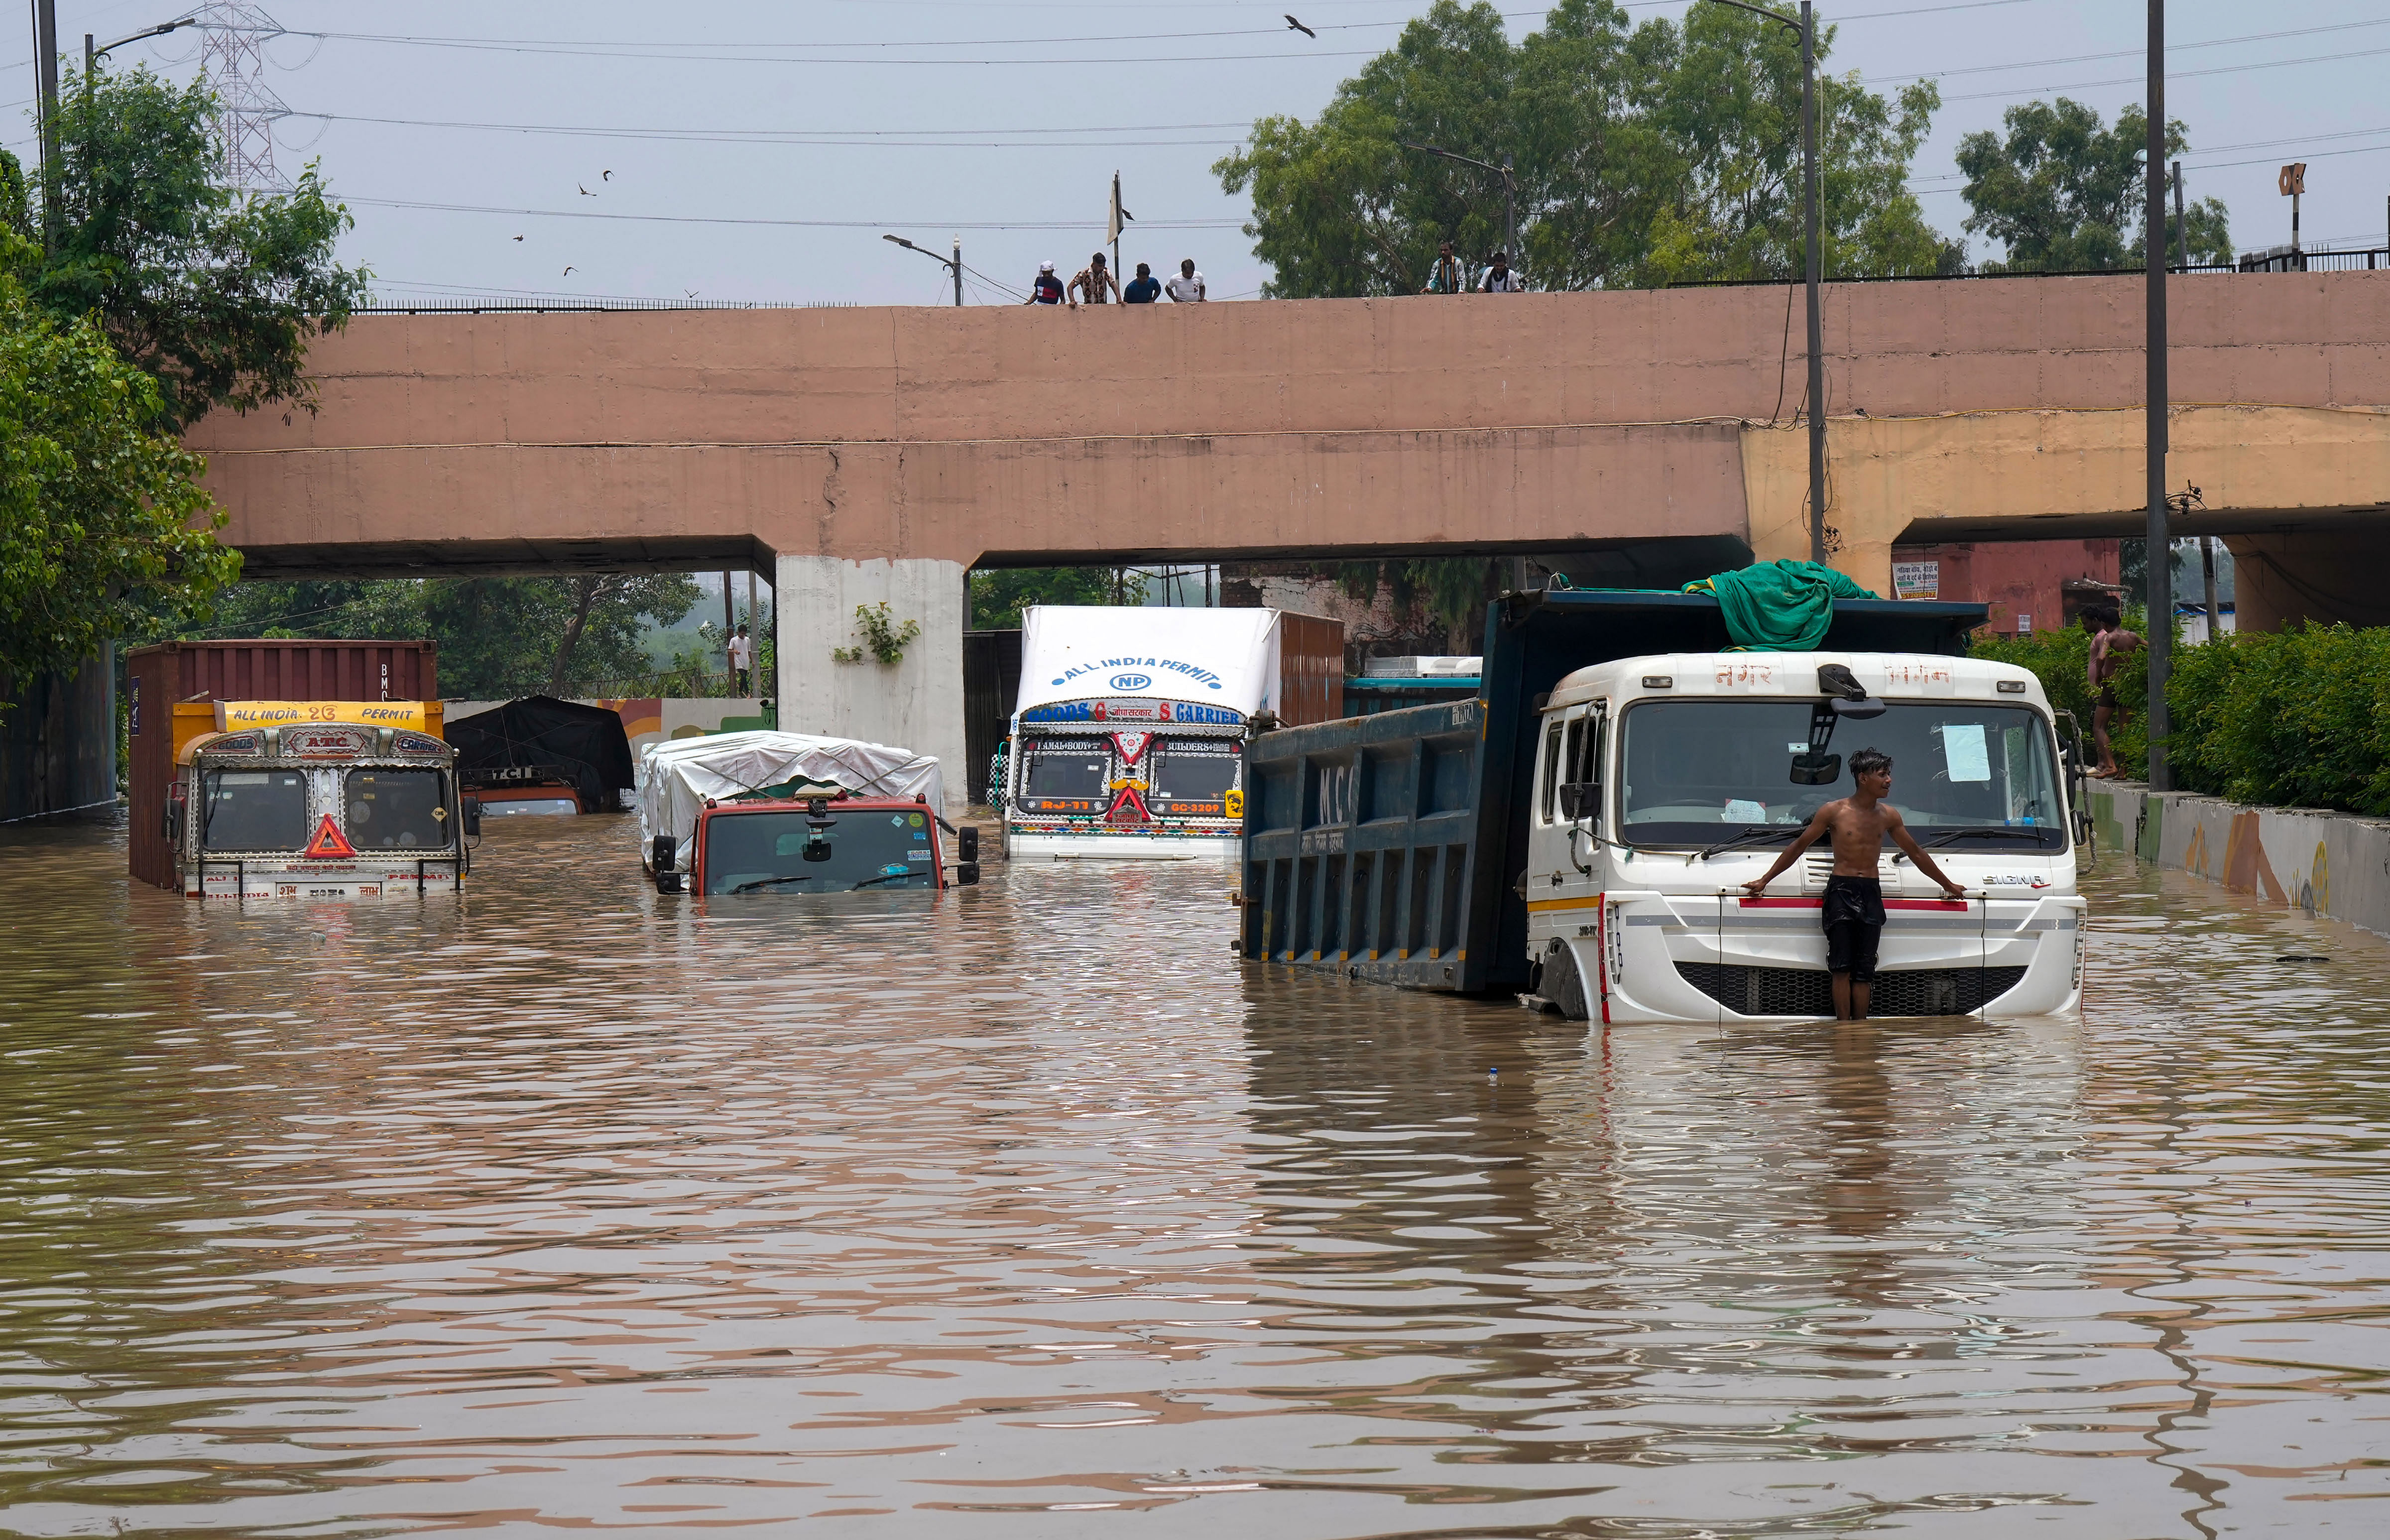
(1096, 283)
(1445, 276)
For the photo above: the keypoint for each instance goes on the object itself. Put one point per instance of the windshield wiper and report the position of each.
(1749, 836)
(873, 882)
(771, 882)
(2032, 833)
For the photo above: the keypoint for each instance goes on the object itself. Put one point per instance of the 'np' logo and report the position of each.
(1130, 681)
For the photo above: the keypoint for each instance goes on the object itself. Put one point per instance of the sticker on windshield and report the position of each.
(1964, 751)
(897, 819)
(916, 855)
(895, 868)
(1741, 812)
(915, 819)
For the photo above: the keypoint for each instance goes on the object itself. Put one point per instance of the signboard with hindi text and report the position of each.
(1917, 580)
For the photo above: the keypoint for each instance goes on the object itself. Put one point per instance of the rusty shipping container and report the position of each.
(171, 690)
(1310, 669)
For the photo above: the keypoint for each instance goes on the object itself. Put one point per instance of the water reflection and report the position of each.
(1005, 1210)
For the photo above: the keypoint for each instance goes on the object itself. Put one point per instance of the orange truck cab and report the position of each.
(824, 845)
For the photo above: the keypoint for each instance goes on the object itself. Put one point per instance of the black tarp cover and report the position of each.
(586, 743)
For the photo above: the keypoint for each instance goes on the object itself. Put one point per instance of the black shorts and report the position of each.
(1854, 918)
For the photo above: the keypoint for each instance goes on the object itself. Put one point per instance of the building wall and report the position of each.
(2027, 582)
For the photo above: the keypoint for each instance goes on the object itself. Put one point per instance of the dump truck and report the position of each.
(1579, 833)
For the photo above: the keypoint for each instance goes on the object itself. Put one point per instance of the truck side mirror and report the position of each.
(967, 845)
(967, 875)
(664, 853)
(1580, 799)
(472, 817)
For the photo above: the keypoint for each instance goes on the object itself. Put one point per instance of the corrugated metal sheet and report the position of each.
(1311, 669)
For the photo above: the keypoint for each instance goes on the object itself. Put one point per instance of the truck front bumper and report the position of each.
(1651, 958)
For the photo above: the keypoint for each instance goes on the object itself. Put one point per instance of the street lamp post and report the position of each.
(1507, 171)
(2160, 536)
(92, 56)
(956, 265)
(1807, 28)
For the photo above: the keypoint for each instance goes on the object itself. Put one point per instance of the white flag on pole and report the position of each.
(1120, 215)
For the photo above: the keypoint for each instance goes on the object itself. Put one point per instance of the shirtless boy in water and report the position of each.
(1854, 911)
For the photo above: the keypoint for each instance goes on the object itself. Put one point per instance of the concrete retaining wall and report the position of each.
(2337, 864)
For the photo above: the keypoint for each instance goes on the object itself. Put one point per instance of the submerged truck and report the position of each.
(319, 799)
(1580, 832)
(1127, 737)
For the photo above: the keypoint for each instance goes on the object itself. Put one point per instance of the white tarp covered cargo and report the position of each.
(676, 778)
(1223, 658)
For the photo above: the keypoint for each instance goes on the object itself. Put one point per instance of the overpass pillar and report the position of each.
(916, 702)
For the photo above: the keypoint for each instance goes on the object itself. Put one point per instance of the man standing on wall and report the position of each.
(2110, 640)
(743, 661)
(1499, 279)
(1445, 276)
(1187, 288)
(1095, 283)
(1143, 290)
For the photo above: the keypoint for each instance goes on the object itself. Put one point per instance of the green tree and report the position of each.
(498, 638)
(2063, 191)
(105, 531)
(1652, 154)
(998, 596)
(214, 292)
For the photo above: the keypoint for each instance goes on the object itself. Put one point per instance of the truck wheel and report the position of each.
(1562, 984)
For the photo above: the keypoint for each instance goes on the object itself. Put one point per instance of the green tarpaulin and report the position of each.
(1780, 606)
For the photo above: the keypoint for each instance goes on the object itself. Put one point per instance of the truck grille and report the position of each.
(1810, 992)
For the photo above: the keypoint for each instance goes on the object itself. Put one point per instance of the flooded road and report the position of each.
(998, 1213)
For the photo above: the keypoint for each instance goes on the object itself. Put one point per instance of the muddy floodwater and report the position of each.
(1027, 1211)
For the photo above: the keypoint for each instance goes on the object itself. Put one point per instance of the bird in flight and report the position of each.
(606, 176)
(585, 192)
(568, 271)
(1296, 26)
(690, 292)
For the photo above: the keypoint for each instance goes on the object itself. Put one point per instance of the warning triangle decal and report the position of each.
(328, 841)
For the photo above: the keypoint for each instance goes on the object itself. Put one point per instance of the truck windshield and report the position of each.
(397, 810)
(1696, 771)
(1063, 770)
(253, 810)
(876, 847)
(1192, 775)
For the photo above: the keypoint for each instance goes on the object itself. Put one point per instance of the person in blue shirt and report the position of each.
(1143, 290)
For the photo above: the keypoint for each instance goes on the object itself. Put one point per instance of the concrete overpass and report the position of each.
(857, 456)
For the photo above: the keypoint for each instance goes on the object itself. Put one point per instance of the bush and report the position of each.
(2297, 718)
(2061, 660)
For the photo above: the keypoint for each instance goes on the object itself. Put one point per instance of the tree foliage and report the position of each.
(212, 292)
(498, 638)
(105, 531)
(998, 596)
(1649, 154)
(2063, 191)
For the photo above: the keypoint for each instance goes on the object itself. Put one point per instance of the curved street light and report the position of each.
(956, 265)
(1807, 28)
(1509, 196)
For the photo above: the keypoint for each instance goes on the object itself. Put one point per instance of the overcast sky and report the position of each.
(759, 151)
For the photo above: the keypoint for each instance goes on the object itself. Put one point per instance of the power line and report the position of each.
(2133, 53)
(794, 138)
(2171, 75)
(794, 224)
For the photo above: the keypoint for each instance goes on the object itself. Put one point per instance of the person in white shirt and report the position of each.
(1498, 278)
(742, 659)
(1187, 285)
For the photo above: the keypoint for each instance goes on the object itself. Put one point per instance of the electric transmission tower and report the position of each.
(232, 56)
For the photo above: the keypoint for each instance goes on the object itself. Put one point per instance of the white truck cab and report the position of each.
(1664, 783)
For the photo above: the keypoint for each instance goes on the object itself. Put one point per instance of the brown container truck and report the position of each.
(173, 690)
